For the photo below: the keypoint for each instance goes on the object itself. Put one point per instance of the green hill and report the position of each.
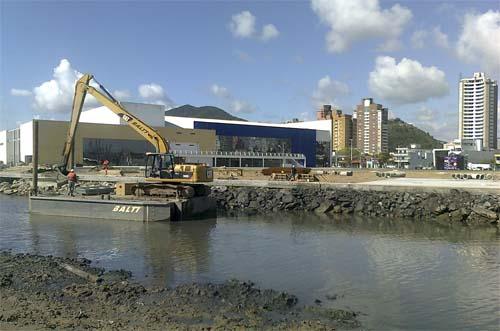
(202, 112)
(403, 134)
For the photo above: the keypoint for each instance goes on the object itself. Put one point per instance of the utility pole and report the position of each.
(34, 159)
(350, 141)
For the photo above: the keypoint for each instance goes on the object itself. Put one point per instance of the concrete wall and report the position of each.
(26, 136)
(52, 135)
(3, 147)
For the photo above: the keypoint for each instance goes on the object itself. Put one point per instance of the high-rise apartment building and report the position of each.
(342, 131)
(372, 131)
(324, 113)
(478, 119)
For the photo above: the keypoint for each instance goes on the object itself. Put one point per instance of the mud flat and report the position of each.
(45, 292)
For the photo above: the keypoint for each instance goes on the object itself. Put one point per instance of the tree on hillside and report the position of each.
(383, 158)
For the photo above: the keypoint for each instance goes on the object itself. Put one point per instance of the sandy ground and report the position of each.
(436, 177)
(359, 175)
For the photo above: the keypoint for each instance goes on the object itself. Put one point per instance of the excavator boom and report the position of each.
(82, 88)
(162, 175)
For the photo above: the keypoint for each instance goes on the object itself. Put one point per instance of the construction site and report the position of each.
(130, 162)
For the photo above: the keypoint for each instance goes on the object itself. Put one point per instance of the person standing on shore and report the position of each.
(294, 172)
(105, 166)
(71, 182)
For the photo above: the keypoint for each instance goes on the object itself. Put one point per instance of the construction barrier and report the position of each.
(479, 176)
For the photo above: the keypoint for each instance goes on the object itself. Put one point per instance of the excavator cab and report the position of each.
(160, 166)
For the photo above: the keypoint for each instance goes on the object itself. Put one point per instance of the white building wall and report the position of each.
(324, 125)
(150, 114)
(3, 147)
(26, 140)
(477, 109)
(182, 122)
(99, 115)
(188, 123)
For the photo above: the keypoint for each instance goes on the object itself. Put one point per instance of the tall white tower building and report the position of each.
(478, 98)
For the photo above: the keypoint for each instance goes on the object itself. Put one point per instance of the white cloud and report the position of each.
(20, 92)
(235, 105)
(418, 38)
(479, 41)
(327, 91)
(154, 93)
(122, 94)
(240, 106)
(242, 25)
(407, 81)
(355, 20)
(304, 116)
(219, 91)
(425, 114)
(390, 45)
(151, 91)
(434, 123)
(56, 95)
(269, 32)
(440, 38)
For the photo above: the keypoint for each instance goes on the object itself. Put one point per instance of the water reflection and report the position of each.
(158, 251)
(401, 274)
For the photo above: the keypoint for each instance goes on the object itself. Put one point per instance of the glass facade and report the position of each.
(323, 153)
(263, 139)
(117, 151)
(253, 144)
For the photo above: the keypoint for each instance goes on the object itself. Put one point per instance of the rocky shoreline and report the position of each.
(46, 292)
(23, 187)
(457, 207)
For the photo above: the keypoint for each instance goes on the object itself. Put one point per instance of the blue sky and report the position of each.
(265, 61)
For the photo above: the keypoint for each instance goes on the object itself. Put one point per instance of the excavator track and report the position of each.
(170, 190)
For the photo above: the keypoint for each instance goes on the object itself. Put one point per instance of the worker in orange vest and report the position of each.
(71, 182)
(105, 166)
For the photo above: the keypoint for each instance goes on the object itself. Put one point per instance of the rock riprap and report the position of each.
(454, 207)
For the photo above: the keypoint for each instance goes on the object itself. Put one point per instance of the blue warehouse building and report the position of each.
(254, 137)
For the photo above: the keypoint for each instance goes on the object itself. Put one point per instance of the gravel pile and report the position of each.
(23, 187)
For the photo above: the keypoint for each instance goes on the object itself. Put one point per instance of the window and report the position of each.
(116, 151)
(253, 144)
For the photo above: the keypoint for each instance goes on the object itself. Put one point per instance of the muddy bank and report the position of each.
(39, 292)
(457, 207)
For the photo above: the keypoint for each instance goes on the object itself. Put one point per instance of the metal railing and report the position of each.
(237, 154)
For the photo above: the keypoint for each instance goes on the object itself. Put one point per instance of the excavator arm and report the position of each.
(82, 88)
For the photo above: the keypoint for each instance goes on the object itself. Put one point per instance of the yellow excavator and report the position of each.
(163, 177)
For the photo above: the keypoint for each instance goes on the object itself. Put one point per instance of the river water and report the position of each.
(398, 275)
